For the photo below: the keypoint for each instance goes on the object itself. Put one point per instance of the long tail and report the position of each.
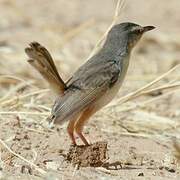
(41, 60)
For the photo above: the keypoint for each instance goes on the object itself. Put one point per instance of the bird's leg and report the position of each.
(70, 129)
(81, 122)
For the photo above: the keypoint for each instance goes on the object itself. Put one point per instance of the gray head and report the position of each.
(126, 35)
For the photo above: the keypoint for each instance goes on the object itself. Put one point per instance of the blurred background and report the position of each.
(70, 30)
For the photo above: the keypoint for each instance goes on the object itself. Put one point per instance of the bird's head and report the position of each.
(126, 34)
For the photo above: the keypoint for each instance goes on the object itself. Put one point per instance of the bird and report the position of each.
(94, 84)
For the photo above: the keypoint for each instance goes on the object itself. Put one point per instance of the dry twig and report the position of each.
(22, 158)
(140, 91)
(119, 6)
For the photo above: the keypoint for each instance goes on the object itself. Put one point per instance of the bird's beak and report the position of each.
(148, 28)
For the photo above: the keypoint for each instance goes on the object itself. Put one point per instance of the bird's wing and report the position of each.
(85, 89)
(42, 61)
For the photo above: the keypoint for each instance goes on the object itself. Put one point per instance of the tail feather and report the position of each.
(42, 61)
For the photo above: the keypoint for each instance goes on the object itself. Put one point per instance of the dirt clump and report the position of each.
(93, 155)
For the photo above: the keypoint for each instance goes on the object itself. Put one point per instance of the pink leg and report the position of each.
(70, 129)
(81, 122)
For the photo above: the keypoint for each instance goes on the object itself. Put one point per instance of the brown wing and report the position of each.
(42, 61)
(84, 90)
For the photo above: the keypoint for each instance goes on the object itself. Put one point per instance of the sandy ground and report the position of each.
(139, 138)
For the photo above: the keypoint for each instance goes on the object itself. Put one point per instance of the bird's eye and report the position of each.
(138, 31)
